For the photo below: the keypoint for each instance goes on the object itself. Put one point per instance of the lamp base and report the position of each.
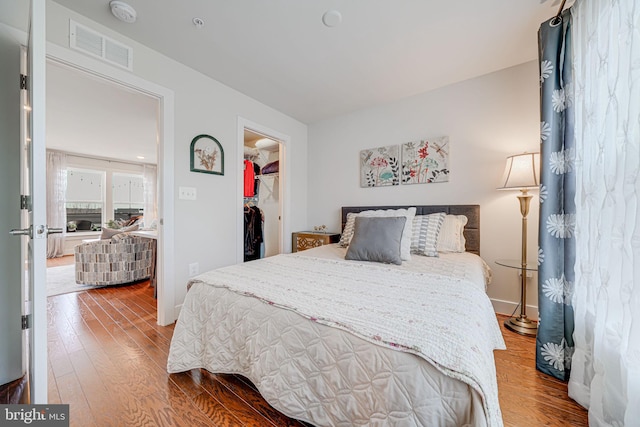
(521, 325)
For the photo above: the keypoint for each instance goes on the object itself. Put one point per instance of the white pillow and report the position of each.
(451, 237)
(405, 245)
(424, 236)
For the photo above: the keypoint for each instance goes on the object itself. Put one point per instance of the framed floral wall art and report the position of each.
(425, 161)
(207, 155)
(380, 166)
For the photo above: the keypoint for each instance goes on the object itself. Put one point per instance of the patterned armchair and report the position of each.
(124, 258)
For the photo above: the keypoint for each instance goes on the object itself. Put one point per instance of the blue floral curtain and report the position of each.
(556, 255)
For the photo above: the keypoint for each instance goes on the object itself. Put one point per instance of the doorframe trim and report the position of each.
(284, 185)
(166, 132)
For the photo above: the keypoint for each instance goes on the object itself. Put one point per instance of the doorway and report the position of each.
(103, 141)
(166, 310)
(265, 151)
(261, 201)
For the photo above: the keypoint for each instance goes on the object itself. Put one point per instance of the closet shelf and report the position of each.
(268, 175)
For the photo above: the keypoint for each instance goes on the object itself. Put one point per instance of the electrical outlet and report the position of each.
(194, 268)
(529, 274)
(187, 193)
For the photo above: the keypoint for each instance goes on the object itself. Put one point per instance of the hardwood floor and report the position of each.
(527, 396)
(107, 359)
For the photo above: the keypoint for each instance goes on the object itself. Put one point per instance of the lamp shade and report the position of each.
(521, 171)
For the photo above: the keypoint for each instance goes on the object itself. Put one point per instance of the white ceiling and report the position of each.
(97, 118)
(280, 53)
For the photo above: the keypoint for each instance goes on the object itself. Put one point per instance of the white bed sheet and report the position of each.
(325, 375)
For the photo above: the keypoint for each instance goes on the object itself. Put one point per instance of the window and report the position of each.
(85, 198)
(128, 196)
(97, 195)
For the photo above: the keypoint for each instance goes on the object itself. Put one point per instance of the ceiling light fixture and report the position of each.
(332, 18)
(198, 22)
(140, 157)
(123, 11)
(267, 144)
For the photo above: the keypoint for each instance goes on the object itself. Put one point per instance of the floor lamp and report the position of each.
(522, 173)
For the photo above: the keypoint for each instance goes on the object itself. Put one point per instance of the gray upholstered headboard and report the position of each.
(472, 212)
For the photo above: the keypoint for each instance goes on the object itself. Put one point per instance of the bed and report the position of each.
(352, 343)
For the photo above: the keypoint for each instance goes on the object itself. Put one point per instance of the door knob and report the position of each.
(21, 232)
(40, 230)
(54, 231)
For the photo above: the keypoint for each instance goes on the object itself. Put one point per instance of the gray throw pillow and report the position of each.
(376, 239)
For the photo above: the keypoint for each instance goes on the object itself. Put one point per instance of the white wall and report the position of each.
(486, 119)
(205, 229)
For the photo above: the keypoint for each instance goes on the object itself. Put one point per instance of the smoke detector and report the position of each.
(198, 22)
(123, 11)
(331, 18)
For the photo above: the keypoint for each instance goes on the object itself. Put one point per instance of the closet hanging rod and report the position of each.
(555, 20)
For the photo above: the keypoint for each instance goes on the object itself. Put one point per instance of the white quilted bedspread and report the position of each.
(445, 319)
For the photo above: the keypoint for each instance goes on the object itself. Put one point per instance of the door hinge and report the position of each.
(26, 321)
(25, 202)
(23, 81)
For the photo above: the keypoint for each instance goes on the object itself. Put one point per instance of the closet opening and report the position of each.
(262, 196)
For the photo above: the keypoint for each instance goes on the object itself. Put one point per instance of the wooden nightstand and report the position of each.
(302, 240)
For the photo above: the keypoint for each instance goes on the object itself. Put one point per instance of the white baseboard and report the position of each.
(508, 307)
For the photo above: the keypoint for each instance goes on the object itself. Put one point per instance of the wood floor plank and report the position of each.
(139, 322)
(53, 395)
(107, 354)
(133, 409)
(240, 408)
(155, 348)
(71, 392)
(187, 408)
(209, 405)
(99, 399)
(253, 398)
(58, 358)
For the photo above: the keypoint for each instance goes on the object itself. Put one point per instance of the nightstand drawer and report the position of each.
(302, 240)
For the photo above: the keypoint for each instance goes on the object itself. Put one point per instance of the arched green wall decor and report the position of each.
(207, 155)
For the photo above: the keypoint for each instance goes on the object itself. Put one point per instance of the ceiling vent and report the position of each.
(100, 46)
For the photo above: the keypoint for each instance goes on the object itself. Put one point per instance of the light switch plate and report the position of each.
(194, 269)
(187, 193)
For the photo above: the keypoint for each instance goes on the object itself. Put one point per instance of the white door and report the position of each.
(33, 182)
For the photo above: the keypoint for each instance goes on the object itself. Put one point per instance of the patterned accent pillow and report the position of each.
(451, 237)
(424, 237)
(347, 233)
(405, 249)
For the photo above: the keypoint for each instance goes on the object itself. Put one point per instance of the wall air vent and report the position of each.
(100, 46)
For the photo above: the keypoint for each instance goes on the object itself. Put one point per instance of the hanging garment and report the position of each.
(256, 181)
(252, 232)
(249, 179)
